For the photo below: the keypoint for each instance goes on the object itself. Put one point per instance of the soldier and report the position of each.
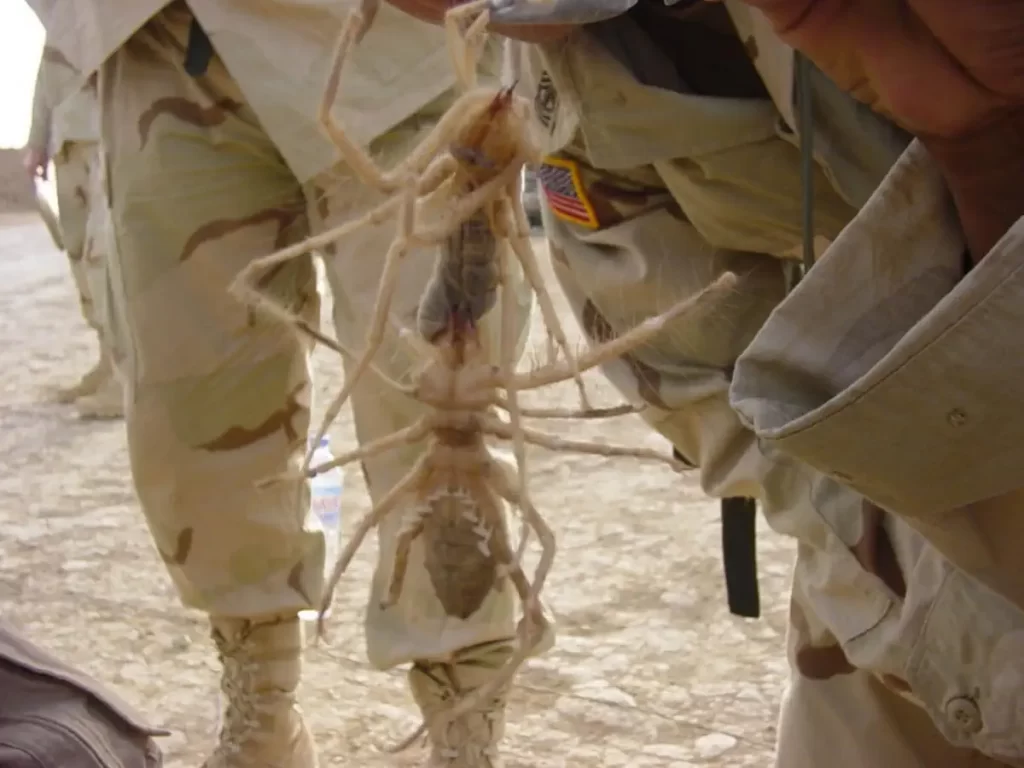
(214, 157)
(872, 411)
(67, 131)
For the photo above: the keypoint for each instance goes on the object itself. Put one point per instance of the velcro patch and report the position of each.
(560, 179)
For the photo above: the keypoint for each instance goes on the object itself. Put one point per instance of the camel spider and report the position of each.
(457, 483)
(471, 160)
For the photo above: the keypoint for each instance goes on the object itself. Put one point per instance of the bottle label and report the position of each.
(327, 507)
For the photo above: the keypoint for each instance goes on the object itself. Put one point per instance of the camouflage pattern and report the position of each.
(400, 68)
(219, 396)
(65, 129)
(85, 227)
(891, 623)
(63, 105)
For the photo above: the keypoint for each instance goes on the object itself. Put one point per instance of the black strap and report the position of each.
(739, 556)
(199, 50)
(739, 552)
(739, 514)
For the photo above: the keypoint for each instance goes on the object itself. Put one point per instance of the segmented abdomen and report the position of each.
(457, 551)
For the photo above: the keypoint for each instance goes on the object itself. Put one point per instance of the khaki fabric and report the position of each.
(279, 52)
(63, 106)
(703, 147)
(219, 397)
(855, 721)
(85, 226)
(909, 363)
(54, 716)
(886, 630)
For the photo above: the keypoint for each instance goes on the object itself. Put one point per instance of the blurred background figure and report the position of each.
(67, 132)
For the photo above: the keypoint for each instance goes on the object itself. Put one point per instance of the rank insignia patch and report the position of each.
(559, 177)
(545, 102)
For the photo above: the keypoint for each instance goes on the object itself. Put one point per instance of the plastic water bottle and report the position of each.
(325, 510)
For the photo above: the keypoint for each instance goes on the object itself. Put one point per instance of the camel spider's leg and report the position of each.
(439, 169)
(500, 484)
(524, 539)
(507, 365)
(402, 547)
(242, 286)
(608, 412)
(379, 320)
(463, 207)
(532, 627)
(524, 252)
(371, 520)
(631, 339)
(465, 47)
(521, 226)
(352, 31)
(368, 10)
(493, 426)
(411, 434)
(353, 154)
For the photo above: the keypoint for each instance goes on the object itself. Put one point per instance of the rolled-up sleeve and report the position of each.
(891, 373)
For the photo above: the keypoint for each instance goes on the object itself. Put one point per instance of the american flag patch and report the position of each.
(559, 177)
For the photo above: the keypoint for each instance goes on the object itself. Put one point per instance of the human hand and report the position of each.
(949, 71)
(36, 163)
(943, 68)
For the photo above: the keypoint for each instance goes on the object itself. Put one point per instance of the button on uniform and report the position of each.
(964, 714)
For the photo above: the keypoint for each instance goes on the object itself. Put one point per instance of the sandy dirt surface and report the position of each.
(649, 668)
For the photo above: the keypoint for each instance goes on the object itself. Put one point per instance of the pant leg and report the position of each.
(418, 627)
(217, 398)
(71, 169)
(96, 261)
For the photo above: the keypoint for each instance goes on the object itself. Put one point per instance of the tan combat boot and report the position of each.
(87, 385)
(472, 740)
(262, 726)
(107, 402)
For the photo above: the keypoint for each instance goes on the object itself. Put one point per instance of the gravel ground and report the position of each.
(649, 669)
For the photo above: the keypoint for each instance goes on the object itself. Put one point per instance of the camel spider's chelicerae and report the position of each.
(472, 159)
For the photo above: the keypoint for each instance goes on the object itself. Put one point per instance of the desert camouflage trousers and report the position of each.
(219, 397)
(882, 627)
(85, 227)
